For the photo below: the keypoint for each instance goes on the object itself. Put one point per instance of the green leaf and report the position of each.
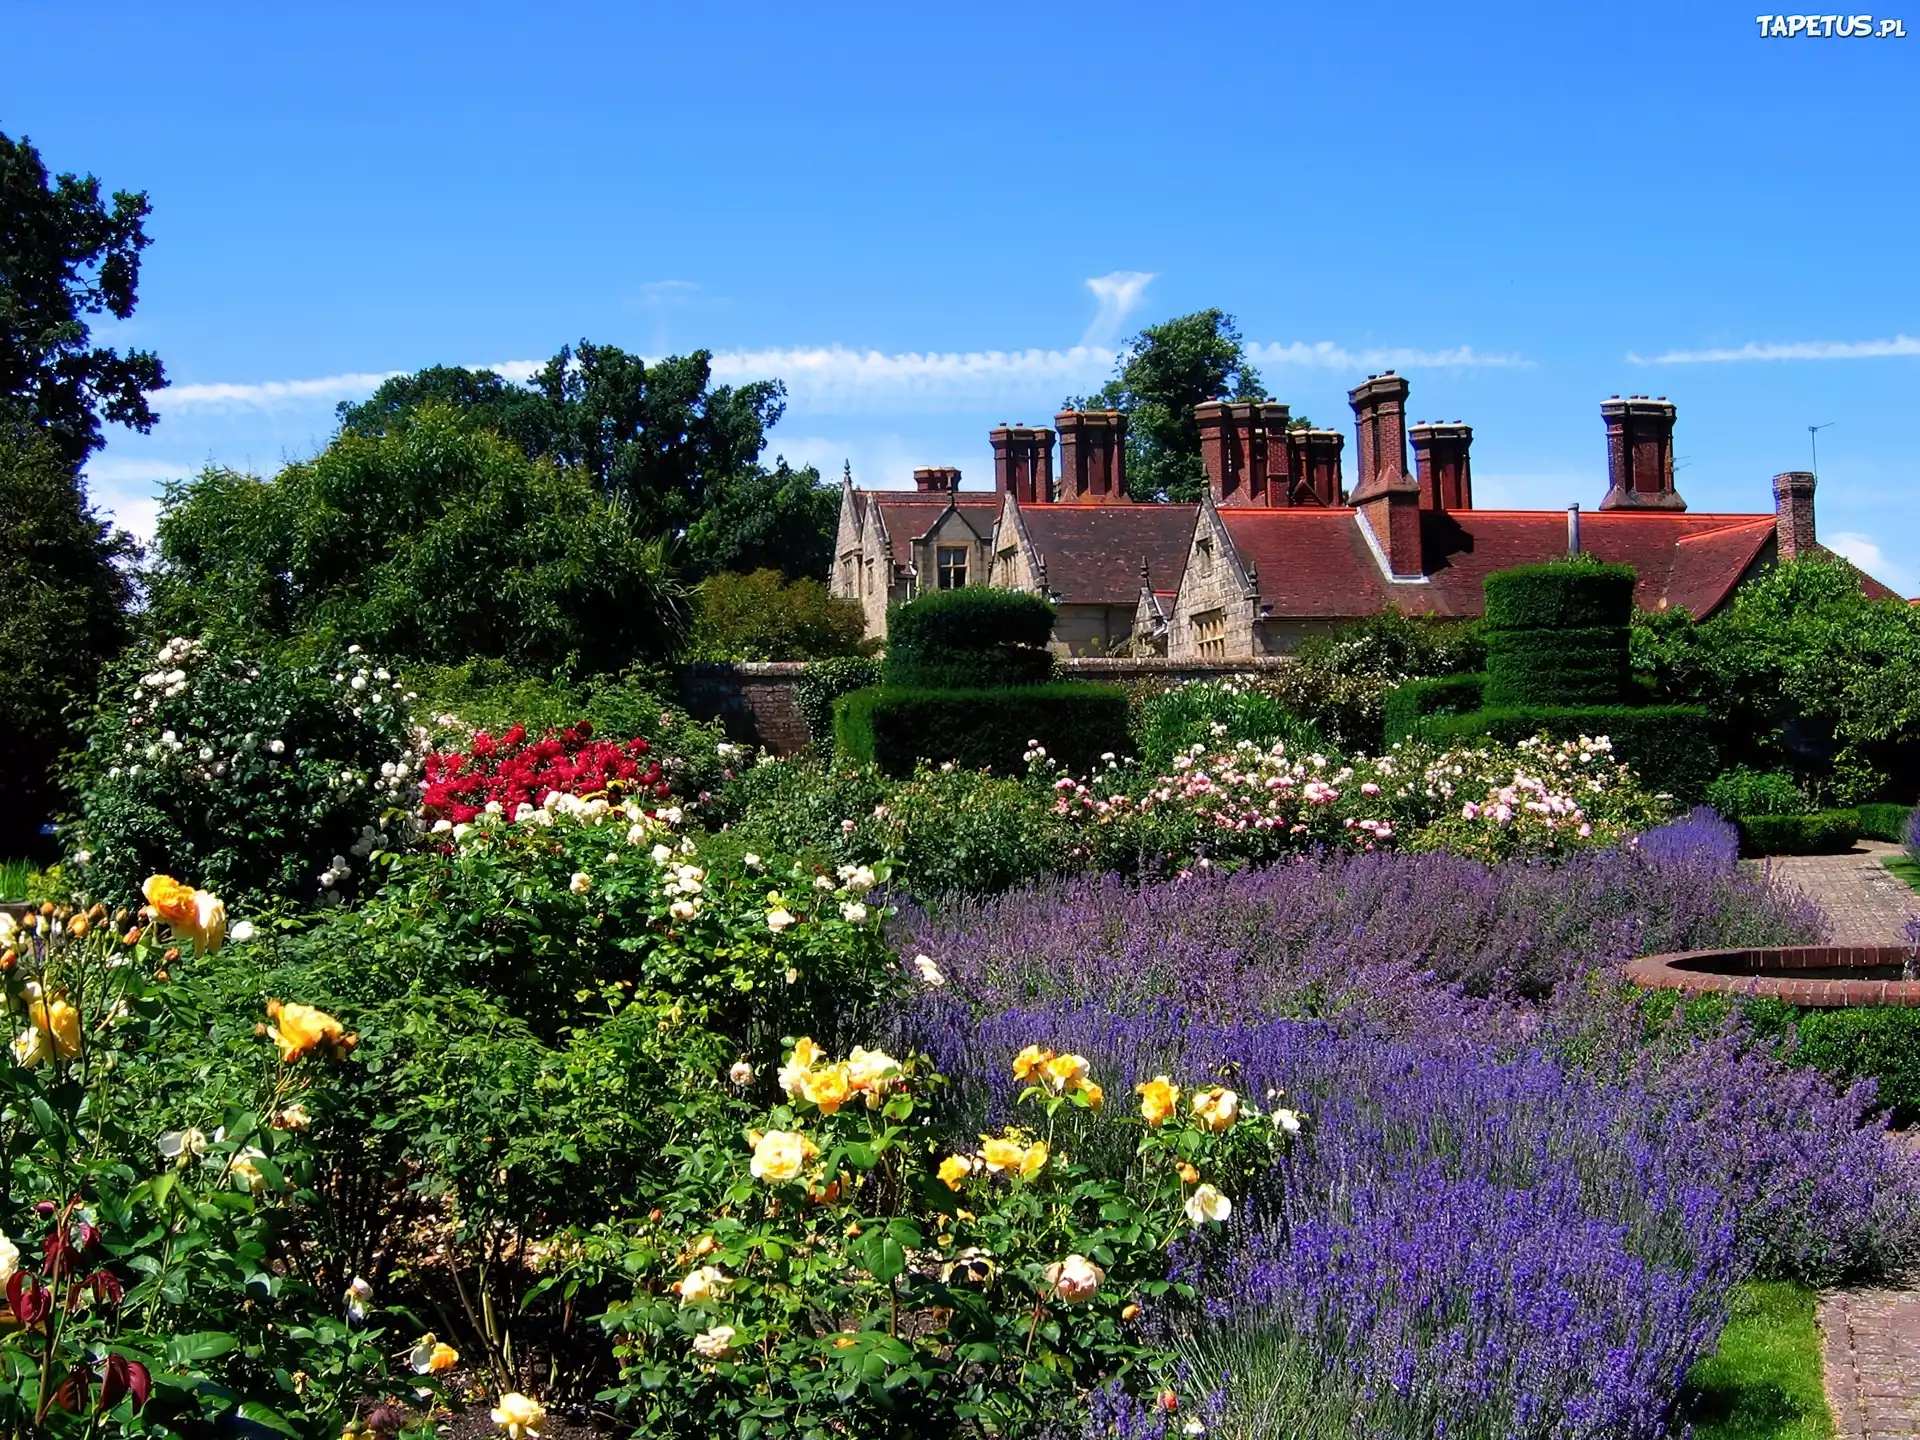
(201, 1345)
(48, 1125)
(263, 1415)
(883, 1255)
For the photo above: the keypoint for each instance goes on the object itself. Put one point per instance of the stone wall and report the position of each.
(759, 706)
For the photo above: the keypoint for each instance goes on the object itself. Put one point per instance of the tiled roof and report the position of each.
(909, 514)
(1094, 551)
(1316, 563)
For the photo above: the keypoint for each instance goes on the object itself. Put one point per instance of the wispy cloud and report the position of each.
(1865, 551)
(1788, 350)
(839, 377)
(1326, 355)
(1119, 293)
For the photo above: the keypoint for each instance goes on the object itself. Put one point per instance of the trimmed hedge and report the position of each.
(970, 638)
(1886, 822)
(1878, 1043)
(825, 681)
(1584, 665)
(1407, 705)
(1826, 832)
(1673, 748)
(1560, 595)
(894, 727)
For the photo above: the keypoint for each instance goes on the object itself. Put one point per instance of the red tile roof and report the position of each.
(909, 514)
(1094, 551)
(1316, 563)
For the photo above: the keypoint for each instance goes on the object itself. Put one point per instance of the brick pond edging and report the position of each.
(1823, 976)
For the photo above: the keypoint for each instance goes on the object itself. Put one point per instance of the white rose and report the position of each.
(1207, 1204)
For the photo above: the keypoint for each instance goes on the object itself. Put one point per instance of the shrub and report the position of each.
(1741, 792)
(515, 774)
(1407, 705)
(895, 727)
(1215, 714)
(256, 774)
(1885, 822)
(1673, 748)
(764, 616)
(969, 638)
(1557, 634)
(824, 682)
(1827, 832)
(1877, 1043)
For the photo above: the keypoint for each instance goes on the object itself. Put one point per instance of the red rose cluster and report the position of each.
(516, 771)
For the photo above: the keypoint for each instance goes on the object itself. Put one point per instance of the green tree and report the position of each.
(65, 255)
(1806, 674)
(435, 542)
(660, 436)
(1164, 372)
(781, 519)
(63, 603)
(760, 616)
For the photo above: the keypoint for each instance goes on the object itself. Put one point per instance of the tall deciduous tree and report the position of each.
(659, 436)
(65, 255)
(780, 519)
(1164, 372)
(63, 602)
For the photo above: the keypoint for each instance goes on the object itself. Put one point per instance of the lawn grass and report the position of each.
(1765, 1382)
(1906, 867)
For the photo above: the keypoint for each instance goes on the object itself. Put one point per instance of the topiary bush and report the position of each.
(1741, 791)
(1826, 832)
(1407, 705)
(893, 727)
(969, 638)
(1556, 634)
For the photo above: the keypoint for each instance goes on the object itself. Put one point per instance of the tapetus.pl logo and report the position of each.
(1829, 27)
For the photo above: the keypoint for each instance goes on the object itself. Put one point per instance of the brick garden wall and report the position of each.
(757, 703)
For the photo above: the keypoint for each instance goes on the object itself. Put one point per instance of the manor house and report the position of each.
(1278, 548)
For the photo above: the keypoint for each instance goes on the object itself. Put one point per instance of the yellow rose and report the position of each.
(520, 1416)
(806, 1053)
(828, 1088)
(1096, 1097)
(171, 901)
(779, 1155)
(1030, 1060)
(61, 1022)
(872, 1071)
(1002, 1154)
(954, 1169)
(1217, 1108)
(1066, 1072)
(299, 1029)
(1035, 1160)
(1157, 1099)
(31, 1046)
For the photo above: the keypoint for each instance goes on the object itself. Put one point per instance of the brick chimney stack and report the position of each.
(943, 479)
(1793, 515)
(1313, 464)
(1388, 498)
(1640, 454)
(1023, 463)
(1243, 445)
(1440, 459)
(1093, 455)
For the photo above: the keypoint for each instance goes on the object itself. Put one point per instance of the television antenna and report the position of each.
(1813, 444)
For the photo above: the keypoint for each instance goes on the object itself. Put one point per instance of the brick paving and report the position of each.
(1868, 906)
(1870, 1338)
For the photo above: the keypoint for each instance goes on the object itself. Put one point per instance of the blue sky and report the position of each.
(928, 219)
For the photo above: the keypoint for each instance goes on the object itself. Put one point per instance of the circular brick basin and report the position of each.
(1827, 976)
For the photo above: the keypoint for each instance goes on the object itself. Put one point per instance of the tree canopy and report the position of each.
(433, 541)
(659, 437)
(780, 519)
(62, 573)
(65, 255)
(1162, 373)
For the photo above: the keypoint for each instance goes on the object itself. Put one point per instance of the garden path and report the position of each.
(1871, 1337)
(1868, 905)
